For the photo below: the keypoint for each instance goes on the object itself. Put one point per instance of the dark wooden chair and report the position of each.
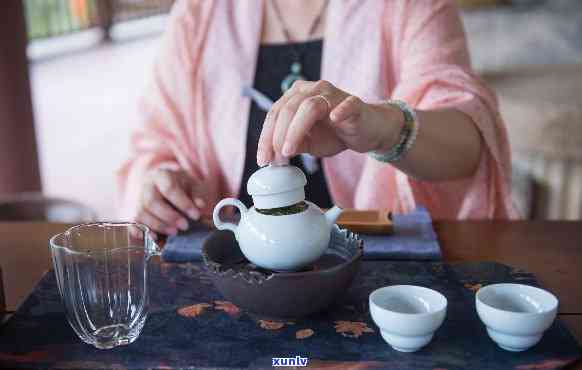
(37, 207)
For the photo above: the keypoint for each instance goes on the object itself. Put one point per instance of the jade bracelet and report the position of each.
(407, 138)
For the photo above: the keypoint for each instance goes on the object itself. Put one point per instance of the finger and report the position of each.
(284, 119)
(311, 110)
(200, 203)
(265, 152)
(172, 189)
(264, 148)
(161, 209)
(347, 123)
(300, 85)
(138, 234)
(315, 88)
(347, 109)
(155, 223)
(199, 193)
(328, 92)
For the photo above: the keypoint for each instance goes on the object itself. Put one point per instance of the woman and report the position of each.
(442, 146)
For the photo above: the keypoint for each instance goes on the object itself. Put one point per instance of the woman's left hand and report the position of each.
(322, 120)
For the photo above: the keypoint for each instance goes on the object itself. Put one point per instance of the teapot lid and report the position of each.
(276, 186)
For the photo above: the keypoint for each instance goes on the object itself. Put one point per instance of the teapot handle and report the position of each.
(221, 225)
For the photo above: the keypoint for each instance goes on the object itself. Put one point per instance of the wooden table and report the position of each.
(24, 257)
(550, 250)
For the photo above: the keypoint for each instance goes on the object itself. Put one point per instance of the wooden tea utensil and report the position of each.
(367, 222)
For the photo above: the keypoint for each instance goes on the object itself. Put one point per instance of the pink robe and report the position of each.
(195, 118)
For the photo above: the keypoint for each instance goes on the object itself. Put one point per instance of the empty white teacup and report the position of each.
(407, 315)
(516, 315)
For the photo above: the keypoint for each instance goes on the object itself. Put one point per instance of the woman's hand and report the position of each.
(322, 120)
(169, 196)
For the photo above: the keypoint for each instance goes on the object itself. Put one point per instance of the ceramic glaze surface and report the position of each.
(277, 186)
(407, 315)
(516, 315)
(283, 242)
(299, 240)
(275, 179)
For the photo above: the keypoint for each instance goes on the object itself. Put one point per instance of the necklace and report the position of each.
(296, 66)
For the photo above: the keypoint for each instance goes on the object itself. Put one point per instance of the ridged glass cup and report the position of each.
(101, 272)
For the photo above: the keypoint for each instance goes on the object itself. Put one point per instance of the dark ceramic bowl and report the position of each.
(282, 295)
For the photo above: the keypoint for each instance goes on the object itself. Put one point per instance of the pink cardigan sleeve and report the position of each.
(166, 111)
(432, 70)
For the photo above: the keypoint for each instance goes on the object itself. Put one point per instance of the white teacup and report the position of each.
(407, 315)
(516, 315)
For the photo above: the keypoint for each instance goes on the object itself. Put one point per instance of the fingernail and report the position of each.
(288, 150)
(171, 231)
(194, 214)
(182, 224)
(200, 202)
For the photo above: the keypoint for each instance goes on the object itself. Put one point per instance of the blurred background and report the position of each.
(72, 71)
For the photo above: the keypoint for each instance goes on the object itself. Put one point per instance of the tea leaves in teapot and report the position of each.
(283, 211)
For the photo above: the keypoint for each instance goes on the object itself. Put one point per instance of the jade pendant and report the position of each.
(292, 77)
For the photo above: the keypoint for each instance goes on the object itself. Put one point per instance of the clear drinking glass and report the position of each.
(101, 271)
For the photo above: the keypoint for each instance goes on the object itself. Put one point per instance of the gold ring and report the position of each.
(326, 100)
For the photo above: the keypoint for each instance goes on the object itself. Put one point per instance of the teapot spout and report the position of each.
(332, 215)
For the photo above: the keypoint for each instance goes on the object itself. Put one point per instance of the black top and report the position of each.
(273, 65)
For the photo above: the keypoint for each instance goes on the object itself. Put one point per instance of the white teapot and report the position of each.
(282, 231)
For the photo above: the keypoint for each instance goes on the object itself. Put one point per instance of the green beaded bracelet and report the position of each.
(408, 135)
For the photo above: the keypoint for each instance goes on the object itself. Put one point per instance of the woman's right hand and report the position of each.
(168, 197)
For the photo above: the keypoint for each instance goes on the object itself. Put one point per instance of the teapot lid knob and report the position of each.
(277, 186)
